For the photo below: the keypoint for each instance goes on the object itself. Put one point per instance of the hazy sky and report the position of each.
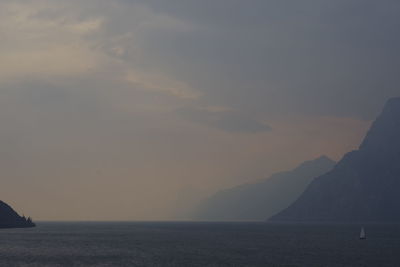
(137, 109)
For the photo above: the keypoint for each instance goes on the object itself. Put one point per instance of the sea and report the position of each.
(199, 244)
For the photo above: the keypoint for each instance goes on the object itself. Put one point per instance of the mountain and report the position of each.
(363, 186)
(10, 219)
(258, 201)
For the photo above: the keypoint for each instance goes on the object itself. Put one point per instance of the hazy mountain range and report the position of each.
(258, 201)
(364, 185)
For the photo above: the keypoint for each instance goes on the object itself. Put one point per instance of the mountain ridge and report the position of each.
(259, 200)
(363, 186)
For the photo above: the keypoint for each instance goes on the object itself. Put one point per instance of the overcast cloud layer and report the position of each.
(131, 110)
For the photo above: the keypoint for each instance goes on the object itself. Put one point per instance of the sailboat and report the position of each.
(362, 234)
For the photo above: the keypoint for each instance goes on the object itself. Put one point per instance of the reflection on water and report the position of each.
(199, 244)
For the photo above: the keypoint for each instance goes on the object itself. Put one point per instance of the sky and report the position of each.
(138, 109)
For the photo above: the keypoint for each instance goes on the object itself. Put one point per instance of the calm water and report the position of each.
(199, 244)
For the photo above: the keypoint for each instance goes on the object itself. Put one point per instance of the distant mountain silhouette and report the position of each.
(261, 200)
(10, 219)
(364, 185)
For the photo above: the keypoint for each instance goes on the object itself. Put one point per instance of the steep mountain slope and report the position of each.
(10, 219)
(364, 185)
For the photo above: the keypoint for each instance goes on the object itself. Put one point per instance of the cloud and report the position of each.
(264, 59)
(311, 57)
(49, 39)
(161, 83)
(224, 119)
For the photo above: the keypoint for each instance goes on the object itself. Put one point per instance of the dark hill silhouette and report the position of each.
(10, 219)
(364, 185)
(263, 199)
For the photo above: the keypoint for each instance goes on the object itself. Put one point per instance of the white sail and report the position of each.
(362, 233)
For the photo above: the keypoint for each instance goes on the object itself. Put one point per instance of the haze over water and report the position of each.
(139, 109)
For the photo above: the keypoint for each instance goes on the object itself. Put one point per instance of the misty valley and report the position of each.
(311, 213)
